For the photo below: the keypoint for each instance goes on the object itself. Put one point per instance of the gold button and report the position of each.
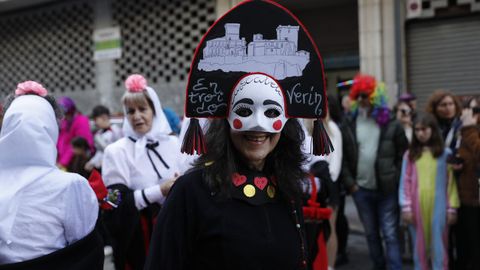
(208, 163)
(249, 191)
(271, 191)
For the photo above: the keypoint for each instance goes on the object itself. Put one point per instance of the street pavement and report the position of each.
(357, 246)
(357, 249)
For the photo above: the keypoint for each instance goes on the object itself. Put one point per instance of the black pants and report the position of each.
(468, 238)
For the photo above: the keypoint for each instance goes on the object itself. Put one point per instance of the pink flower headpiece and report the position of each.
(30, 87)
(135, 83)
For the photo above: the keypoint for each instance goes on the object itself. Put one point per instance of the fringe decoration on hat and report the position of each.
(194, 140)
(321, 142)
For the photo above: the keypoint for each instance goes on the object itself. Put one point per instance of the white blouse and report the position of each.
(121, 166)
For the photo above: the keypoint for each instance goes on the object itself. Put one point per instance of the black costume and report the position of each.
(130, 229)
(212, 231)
(86, 253)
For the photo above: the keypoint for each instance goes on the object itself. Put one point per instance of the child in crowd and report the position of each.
(81, 154)
(106, 134)
(428, 194)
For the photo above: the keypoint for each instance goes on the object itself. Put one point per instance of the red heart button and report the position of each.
(260, 182)
(238, 179)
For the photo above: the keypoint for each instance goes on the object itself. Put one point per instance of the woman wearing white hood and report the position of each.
(141, 168)
(47, 216)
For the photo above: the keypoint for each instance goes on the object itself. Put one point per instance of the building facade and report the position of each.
(412, 45)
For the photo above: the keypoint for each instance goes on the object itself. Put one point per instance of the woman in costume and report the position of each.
(240, 206)
(138, 170)
(428, 194)
(47, 216)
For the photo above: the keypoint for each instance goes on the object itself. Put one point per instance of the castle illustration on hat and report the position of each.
(256, 36)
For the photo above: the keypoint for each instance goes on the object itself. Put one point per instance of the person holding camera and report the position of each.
(404, 114)
(468, 234)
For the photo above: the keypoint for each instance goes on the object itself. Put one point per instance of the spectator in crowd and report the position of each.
(141, 167)
(105, 134)
(404, 113)
(468, 232)
(428, 194)
(410, 99)
(47, 216)
(74, 124)
(381, 142)
(81, 154)
(447, 109)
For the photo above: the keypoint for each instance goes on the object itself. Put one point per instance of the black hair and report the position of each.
(435, 142)
(56, 108)
(284, 162)
(100, 110)
(80, 142)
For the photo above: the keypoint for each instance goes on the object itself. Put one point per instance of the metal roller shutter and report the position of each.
(443, 54)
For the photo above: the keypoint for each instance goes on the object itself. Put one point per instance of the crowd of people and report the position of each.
(407, 167)
(254, 195)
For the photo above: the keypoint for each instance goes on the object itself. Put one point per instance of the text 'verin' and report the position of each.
(299, 96)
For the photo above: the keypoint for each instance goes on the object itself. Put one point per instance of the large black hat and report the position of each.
(256, 36)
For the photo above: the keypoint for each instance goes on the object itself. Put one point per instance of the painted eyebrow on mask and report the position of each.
(270, 102)
(244, 100)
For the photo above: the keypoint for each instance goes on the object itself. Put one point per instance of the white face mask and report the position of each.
(257, 104)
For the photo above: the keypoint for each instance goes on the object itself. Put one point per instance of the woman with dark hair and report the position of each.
(239, 208)
(428, 194)
(446, 108)
(47, 216)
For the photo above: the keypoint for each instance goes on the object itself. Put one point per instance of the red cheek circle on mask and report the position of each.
(277, 125)
(237, 124)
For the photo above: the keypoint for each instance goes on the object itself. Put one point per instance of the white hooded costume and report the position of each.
(43, 209)
(127, 160)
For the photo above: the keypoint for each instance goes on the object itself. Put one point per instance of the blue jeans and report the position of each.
(378, 211)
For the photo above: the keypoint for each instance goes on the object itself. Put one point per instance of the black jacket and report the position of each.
(393, 143)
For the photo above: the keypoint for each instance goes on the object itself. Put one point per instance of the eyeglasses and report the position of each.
(362, 96)
(405, 111)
